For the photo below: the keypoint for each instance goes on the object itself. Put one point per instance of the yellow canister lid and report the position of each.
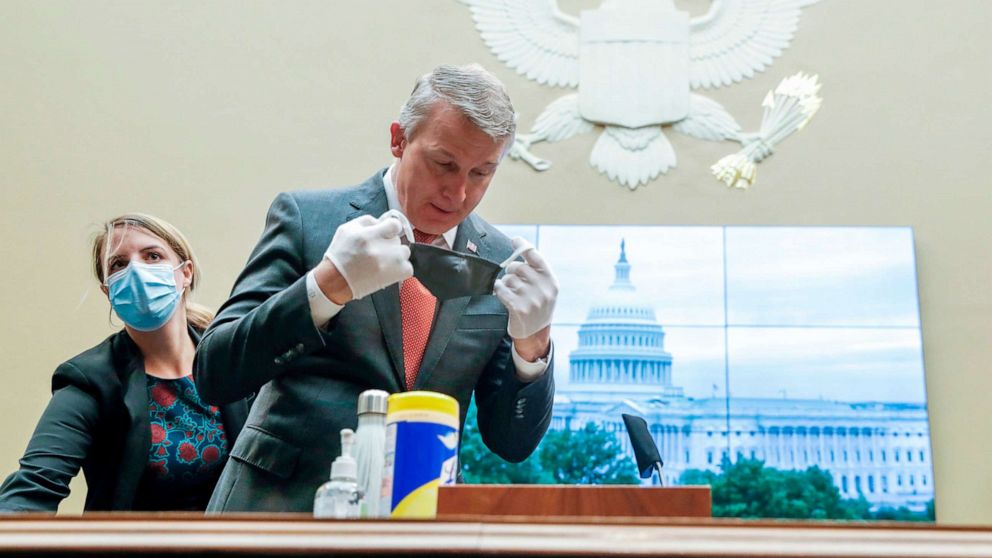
(423, 401)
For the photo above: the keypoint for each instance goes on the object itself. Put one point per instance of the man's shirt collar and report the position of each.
(394, 203)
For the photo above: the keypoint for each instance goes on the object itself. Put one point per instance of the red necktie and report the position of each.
(417, 307)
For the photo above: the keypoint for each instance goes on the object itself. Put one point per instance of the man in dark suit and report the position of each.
(327, 308)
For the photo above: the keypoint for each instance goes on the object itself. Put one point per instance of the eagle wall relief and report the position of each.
(635, 63)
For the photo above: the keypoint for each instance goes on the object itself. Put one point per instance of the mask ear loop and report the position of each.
(517, 253)
(106, 283)
(407, 228)
(182, 292)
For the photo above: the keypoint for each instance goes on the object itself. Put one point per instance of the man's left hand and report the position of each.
(528, 289)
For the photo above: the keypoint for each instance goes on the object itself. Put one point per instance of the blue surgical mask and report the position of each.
(145, 295)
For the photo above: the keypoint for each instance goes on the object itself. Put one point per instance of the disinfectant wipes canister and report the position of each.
(421, 452)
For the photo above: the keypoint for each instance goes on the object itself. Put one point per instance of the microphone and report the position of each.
(645, 450)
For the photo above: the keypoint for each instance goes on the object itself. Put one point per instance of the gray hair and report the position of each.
(471, 89)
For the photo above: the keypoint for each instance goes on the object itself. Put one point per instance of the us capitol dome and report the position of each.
(622, 344)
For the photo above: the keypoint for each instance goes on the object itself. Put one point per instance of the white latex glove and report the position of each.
(369, 255)
(528, 289)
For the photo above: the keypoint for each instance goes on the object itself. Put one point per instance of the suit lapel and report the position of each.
(387, 308)
(450, 311)
(138, 440)
(372, 201)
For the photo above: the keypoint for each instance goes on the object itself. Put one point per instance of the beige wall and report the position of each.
(202, 112)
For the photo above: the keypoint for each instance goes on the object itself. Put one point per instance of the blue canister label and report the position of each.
(421, 454)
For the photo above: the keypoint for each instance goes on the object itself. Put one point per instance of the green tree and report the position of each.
(590, 455)
(587, 456)
(904, 514)
(749, 489)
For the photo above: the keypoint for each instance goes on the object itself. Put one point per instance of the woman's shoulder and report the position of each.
(98, 364)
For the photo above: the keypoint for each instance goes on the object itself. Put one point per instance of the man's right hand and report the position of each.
(367, 254)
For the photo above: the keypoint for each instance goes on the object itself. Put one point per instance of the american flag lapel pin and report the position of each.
(472, 247)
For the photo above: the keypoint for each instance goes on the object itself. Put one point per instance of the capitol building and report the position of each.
(880, 451)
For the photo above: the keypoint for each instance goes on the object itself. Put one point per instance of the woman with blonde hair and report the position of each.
(126, 411)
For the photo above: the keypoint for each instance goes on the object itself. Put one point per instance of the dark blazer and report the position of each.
(308, 378)
(97, 419)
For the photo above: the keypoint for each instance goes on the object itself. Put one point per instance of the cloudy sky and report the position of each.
(797, 312)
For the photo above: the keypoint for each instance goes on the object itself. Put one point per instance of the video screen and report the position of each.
(783, 366)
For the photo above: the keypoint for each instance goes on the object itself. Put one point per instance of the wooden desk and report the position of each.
(556, 500)
(298, 535)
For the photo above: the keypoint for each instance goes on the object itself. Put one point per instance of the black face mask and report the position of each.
(448, 274)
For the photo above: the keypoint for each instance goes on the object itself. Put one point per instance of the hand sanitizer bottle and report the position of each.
(340, 498)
